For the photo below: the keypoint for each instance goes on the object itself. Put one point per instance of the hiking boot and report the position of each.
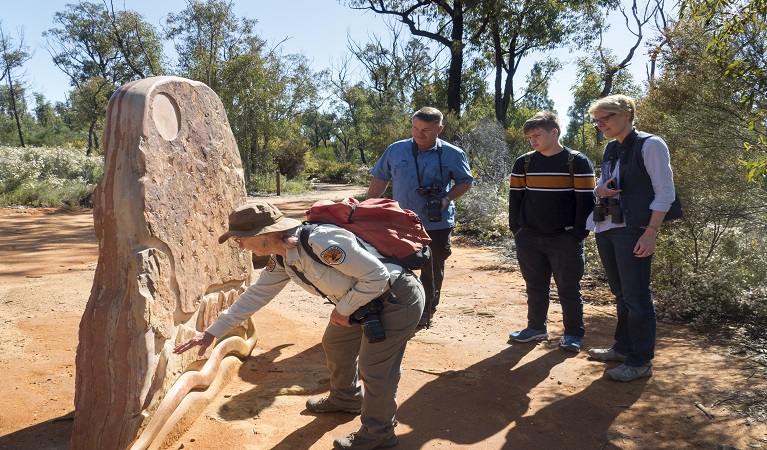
(606, 354)
(629, 373)
(324, 405)
(356, 442)
(528, 334)
(572, 343)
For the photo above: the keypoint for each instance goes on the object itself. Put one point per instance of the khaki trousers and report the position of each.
(352, 359)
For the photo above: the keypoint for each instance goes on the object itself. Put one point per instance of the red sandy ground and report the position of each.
(463, 384)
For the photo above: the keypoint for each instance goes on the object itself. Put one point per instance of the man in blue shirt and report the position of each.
(426, 171)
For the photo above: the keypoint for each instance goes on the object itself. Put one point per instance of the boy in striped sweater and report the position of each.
(550, 198)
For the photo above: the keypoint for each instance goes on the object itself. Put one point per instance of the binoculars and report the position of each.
(608, 206)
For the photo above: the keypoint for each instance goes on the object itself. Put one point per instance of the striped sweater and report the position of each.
(547, 199)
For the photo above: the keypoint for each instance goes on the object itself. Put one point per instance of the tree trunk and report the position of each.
(91, 133)
(362, 155)
(500, 113)
(247, 148)
(13, 106)
(456, 62)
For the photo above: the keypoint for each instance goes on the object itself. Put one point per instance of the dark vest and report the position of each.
(636, 186)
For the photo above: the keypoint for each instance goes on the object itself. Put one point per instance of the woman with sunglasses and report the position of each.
(634, 193)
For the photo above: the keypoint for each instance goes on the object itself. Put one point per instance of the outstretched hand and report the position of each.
(203, 339)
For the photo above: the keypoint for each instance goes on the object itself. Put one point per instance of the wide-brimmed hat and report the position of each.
(257, 218)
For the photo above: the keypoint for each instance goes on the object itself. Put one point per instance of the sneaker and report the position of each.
(629, 373)
(528, 334)
(606, 354)
(324, 405)
(572, 343)
(356, 442)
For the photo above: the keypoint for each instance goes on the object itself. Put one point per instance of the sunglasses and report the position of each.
(602, 121)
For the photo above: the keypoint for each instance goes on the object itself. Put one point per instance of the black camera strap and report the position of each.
(301, 276)
(418, 173)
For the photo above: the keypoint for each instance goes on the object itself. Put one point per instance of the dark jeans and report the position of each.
(433, 272)
(629, 279)
(542, 256)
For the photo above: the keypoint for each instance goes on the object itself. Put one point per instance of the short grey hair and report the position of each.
(429, 114)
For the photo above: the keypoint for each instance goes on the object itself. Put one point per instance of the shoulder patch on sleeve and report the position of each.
(333, 255)
(271, 264)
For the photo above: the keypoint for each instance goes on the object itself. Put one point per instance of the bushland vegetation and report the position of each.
(703, 94)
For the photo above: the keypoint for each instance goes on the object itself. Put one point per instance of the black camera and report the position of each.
(608, 206)
(433, 202)
(368, 316)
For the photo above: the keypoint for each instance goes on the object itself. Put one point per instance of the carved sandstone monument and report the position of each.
(172, 176)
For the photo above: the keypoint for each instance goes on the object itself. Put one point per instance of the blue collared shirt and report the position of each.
(398, 166)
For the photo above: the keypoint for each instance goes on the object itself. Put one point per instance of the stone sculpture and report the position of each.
(172, 175)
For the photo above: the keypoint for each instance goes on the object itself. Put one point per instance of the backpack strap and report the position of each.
(304, 233)
(570, 157)
(309, 250)
(528, 157)
(307, 229)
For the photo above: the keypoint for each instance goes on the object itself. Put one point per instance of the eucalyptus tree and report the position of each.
(440, 21)
(506, 33)
(384, 68)
(13, 56)
(588, 87)
(537, 92)
(207, 34)
(739, 24)
(265, 93)
(712, 258)
(99, 50)
(393, 73)
(318, 126)
(641, 15)
(353, 109)
(138, 42)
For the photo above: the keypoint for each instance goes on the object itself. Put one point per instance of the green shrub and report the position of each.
(264, 186)
(727, 288)
(702, 299)
(483, 213)
(48, 177)
(290, 158)
(50, 193)
(333, 171)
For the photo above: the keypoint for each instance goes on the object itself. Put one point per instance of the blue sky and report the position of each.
(316, 28)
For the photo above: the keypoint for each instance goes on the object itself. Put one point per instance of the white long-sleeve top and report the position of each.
(351, 278)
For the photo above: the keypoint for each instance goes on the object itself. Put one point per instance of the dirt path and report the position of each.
(463, 385)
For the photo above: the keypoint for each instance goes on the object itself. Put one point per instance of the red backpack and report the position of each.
(396, 233)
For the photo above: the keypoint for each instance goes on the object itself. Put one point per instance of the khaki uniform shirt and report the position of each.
(351, 278)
